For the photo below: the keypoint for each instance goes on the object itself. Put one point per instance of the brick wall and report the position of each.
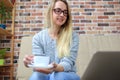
(94, 17)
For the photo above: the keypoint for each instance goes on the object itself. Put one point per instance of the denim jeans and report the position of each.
(55, 76)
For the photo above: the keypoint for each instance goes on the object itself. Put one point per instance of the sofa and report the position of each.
(89, 45)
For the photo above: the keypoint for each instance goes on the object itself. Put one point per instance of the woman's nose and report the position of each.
(62, 14)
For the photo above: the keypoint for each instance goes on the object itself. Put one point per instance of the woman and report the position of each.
(57, 41)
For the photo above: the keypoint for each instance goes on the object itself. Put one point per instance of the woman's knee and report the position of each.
(60, 75)
(38, 76)
(66, 76)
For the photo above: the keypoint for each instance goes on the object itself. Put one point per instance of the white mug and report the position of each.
(40, 61)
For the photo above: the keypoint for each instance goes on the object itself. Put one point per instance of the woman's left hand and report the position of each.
(57, 67)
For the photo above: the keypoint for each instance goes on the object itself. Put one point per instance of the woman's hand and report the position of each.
(58, 67)
(27, 60)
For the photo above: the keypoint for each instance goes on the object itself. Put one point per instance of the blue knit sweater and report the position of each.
(43, 44)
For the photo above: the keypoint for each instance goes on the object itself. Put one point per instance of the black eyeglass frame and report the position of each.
(60, 11)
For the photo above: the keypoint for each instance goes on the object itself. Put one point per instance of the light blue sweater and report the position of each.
(43, 44)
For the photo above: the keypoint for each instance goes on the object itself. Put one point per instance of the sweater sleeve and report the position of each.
(37, 47)
(69, 62)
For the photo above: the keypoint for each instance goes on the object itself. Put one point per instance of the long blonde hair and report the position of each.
(65, 33)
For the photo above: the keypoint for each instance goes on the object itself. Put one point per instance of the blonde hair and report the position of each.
(65, 32)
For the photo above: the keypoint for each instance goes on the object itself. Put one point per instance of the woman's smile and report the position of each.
(60, 20)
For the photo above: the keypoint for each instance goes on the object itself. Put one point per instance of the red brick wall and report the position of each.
(95, 17)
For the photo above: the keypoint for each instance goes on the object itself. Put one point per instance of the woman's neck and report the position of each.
(53, 32)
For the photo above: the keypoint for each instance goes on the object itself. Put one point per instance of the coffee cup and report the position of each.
(40, 61)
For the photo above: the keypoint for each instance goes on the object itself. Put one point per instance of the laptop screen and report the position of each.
(103, 66)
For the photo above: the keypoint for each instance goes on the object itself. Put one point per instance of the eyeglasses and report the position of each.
(59, 11)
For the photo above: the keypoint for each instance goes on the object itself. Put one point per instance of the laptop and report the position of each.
(103, 66)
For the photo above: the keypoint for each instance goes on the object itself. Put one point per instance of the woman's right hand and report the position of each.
(27, 60)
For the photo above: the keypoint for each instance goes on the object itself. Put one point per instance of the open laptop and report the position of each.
(103, 66)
